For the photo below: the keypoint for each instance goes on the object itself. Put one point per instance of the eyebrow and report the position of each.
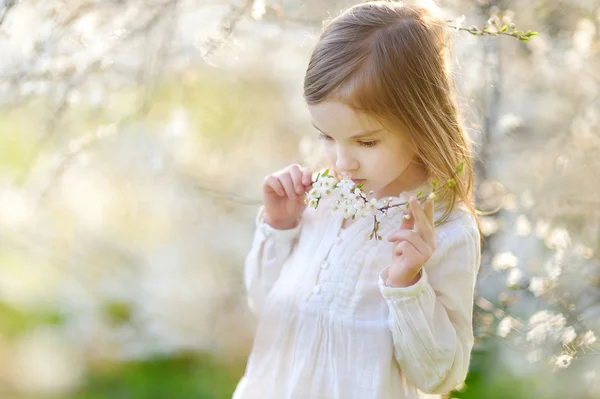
(356, 136)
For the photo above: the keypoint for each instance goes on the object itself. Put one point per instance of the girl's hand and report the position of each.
(412, 249)
(283, 194)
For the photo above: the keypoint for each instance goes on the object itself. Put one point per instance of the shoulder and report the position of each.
(457, 242)
(460, 225)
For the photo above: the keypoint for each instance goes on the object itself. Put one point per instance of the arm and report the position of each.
(270, 249)
(431, 320)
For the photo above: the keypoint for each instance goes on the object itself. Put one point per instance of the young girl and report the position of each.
(341, 315)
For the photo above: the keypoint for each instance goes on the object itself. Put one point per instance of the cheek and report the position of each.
(331, 154)
(329, 151)
(390, 163)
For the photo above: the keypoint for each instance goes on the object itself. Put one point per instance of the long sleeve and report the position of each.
(270, 249)
(431, 320)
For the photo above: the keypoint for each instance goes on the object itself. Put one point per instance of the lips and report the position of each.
(357, 181)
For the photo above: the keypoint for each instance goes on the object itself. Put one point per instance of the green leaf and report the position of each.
(325, 173)
(451, 183)
(460, 167)
(504, 28)
(419, 193)
(360, 185)
(117, 312)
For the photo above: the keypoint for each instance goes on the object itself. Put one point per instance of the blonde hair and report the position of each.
(391, 60)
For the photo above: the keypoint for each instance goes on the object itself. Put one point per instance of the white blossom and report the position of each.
(514, 277)
(587, 338)
(459, 21)
(545, 326)
(568, 335)
(489, 225)
(523, 226)
(509, 122)
(538, 285)
(259, 9)
(505, 326)
(553, 266)
(563, 361)
(350, 200)
(504, 260)
(558, 238)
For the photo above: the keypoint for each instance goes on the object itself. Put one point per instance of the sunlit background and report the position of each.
(134, 138)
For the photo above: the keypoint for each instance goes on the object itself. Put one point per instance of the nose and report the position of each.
(344, 162)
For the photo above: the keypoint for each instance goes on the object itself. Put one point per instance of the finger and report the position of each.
(429, 211)
(402, 234)
(288, 186)
(408, 221)
(423, 225)
(274, 184)
(296, 176)
(306, 177)
(411, 256)
(406, 249)
(399, 248)
(412, 238)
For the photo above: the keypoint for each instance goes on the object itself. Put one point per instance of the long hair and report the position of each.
(391, 60)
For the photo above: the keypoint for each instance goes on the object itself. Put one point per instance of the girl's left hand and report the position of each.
(412, 248)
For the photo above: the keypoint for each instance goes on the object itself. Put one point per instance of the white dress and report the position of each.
(329, 327)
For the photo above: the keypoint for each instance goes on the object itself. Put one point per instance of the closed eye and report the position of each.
(360, 143)
(367, 143)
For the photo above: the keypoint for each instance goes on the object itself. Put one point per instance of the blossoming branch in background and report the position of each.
(493, 28)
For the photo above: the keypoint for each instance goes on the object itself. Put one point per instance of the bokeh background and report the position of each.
(134, 137)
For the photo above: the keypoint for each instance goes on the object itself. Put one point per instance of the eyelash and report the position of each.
(360, 143)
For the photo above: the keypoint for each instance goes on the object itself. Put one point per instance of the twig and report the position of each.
(8, 4)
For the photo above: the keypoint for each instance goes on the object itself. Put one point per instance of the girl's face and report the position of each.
(359, 147)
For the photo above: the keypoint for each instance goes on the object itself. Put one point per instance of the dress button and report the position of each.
(316, 289)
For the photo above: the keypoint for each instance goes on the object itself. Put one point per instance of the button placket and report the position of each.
(325, 264)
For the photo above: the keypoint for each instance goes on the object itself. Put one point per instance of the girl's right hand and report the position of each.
(283, 194)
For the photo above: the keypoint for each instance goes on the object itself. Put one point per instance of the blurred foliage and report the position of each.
(176, 376)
